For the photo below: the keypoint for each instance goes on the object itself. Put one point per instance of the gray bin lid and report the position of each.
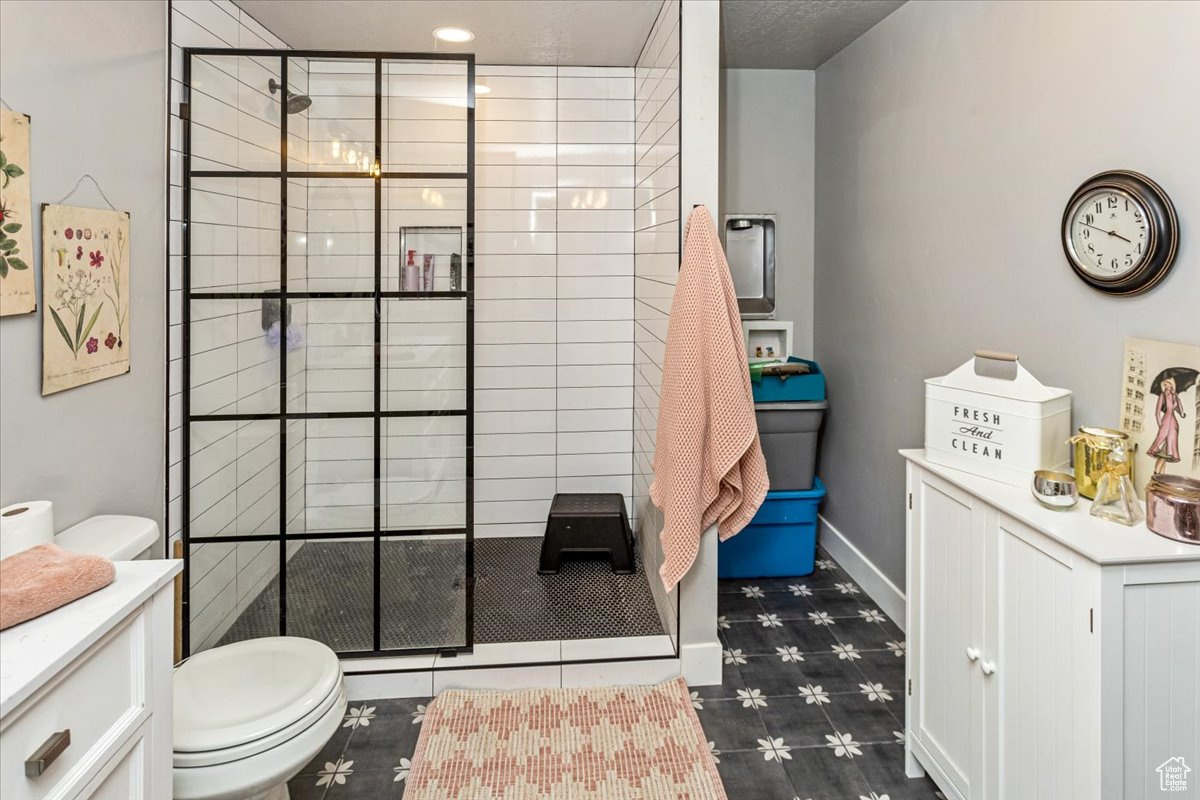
(815, 405)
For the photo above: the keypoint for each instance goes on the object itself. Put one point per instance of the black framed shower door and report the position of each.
(421, 577)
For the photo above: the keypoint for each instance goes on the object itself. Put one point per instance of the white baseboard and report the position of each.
(389, 685)
(885, 593)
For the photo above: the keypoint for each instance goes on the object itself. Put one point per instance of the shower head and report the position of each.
(295, 102)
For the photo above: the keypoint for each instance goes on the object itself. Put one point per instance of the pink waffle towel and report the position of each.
(708, 462)
(43, 578)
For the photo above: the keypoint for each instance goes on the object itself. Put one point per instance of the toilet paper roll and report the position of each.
(25, 525)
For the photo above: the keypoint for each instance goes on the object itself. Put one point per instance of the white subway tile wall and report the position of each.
(235, 471)
(424, 340)
(656, 258)
(554, 291)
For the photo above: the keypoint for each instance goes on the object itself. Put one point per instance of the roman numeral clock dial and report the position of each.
(1120, 232)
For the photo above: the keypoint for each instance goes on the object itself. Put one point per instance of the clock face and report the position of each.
(1109, 233)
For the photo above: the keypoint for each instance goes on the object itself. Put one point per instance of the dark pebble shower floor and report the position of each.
(330, 597)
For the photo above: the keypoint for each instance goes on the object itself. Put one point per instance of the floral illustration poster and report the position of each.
(17, 293)
(85, 296)
(1160, 403)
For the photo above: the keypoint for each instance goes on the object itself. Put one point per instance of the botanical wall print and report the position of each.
(85, 293)
(17, 294)
(1160, 403)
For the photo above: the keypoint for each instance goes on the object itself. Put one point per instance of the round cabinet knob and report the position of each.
(972, 654)
(988, 667)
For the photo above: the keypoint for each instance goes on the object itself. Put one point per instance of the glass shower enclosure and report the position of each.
(327, 307)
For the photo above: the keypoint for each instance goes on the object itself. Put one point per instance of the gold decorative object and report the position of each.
(1116, 500)
(1092, 446)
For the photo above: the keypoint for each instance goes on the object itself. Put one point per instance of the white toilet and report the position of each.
(248, 716)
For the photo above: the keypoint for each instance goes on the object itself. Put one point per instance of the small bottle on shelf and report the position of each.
(427, 273)
(412, 274)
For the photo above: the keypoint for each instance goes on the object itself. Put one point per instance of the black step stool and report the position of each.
(588, 523)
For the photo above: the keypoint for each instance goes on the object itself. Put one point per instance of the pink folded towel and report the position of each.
(708, 461)
(43, 578)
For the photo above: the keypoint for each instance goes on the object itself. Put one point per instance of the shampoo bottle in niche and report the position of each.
(412, 274)
(427, 273)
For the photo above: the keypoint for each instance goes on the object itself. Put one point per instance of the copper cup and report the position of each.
(1173, 507)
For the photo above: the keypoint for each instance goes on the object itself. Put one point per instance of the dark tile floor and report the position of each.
(811, 706)
(423, 603)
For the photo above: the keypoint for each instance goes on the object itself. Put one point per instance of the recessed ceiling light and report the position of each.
(455, 35)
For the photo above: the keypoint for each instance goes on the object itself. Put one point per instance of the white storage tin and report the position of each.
(997, 428)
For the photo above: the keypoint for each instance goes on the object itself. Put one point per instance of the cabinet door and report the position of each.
(1152, 679)
(946, 630)
(1038, 667)
(128, 778)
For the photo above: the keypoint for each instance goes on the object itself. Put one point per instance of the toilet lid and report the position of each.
(241, 692)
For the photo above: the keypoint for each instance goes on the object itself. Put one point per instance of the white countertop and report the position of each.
(1095, 539)
(33, 652)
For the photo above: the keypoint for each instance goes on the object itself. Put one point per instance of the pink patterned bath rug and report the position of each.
(601, 743)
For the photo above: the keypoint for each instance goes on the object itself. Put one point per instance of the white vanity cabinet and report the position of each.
(85, 693)
(1050, 654)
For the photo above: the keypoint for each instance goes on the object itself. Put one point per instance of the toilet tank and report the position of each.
(114, 536)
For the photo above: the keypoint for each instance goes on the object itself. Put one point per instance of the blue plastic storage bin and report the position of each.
(781, 540)
(796, 389)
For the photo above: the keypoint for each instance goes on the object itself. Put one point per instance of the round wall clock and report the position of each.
(1120, 232)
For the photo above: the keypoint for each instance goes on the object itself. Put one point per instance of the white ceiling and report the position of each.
(565, 32)
(756, 34)
(794, 34)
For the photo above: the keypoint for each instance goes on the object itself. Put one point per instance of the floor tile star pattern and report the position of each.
(811, 705)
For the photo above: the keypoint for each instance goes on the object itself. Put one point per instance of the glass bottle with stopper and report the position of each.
(1116, 499)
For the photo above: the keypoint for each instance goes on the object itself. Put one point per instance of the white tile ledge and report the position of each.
(502, 655)
(426, 684)
(620, 647)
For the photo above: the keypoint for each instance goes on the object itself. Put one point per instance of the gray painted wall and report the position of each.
(767, 143)
(92, 75)
(949, 138)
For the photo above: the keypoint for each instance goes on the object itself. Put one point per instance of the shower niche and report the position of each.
(431, 258)
(327, 403)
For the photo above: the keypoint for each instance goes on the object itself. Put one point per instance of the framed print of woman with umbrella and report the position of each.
(1160, 404)
(1168, 413)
